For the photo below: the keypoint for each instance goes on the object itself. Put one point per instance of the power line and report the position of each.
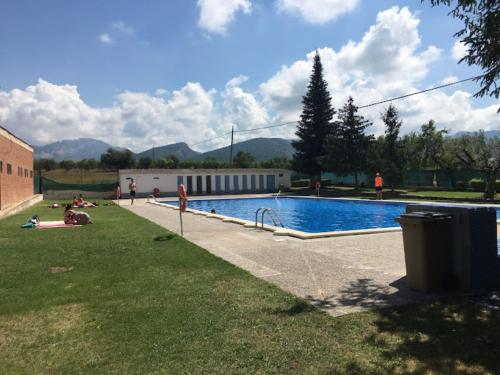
(210, 139)
(361, 107)
(418, 92)
(265, 127)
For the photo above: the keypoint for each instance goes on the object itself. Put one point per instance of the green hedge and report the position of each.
(307, 183)
(301, 183)
(478, 184)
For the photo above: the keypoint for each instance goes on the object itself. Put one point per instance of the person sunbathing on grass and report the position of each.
(82, 203)
(76, 217)
(69, 215)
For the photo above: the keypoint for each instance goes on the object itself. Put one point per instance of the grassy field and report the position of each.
(447, 194)
(80, 176)
(126, 296)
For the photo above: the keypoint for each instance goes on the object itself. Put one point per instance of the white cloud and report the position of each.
(458, 50)
(215, 15)
(241, 109)
(46, 112)
(388, 61)
(317, 11)
(385, 63)
(105, 38)
(449, 79)
(160, 92)
(122, 27)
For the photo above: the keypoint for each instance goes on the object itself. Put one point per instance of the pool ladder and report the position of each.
(272, 215)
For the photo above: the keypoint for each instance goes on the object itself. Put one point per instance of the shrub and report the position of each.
(325, 183)
(477, 184)
(460, 185)
(497, 186)
(301, 183)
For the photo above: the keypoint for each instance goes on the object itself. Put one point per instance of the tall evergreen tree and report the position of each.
(392, 160)
(347, 145)
(315, 124)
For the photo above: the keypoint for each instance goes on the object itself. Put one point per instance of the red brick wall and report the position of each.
(15, 187)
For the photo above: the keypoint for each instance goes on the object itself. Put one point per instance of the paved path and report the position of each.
(340, 275)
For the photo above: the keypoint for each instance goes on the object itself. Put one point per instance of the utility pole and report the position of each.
(231, 149)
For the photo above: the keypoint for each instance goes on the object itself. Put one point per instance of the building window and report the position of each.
(9, 168)
(31, 174)
(1, 166)
(25, 173)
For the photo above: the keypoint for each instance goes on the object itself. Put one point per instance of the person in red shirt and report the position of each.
(379, 184)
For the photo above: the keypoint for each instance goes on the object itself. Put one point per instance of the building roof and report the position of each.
(204, 171)
(10, 134)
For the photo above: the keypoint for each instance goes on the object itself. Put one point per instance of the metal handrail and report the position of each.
(272, 214)
(256, 215)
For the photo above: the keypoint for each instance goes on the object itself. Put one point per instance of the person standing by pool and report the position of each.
(379, 184)
(133, 188)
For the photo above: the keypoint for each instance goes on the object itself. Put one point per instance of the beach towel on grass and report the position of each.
(54, 224)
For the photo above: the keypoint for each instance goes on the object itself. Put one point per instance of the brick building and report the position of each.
(16, 170)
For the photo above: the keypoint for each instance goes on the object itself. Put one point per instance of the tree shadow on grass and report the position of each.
(454, 336)
(167, 237)
(297, 308)
(367, 294)
(437, 333)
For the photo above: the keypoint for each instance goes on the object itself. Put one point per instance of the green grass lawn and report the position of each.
(137, 299)
(448, 194)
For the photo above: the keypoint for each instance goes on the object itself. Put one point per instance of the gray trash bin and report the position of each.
(428, 256)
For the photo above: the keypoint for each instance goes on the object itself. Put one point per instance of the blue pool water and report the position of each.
(310, 215)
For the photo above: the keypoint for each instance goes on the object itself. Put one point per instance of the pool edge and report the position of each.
(278, 231)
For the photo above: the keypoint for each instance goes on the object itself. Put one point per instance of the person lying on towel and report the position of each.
(76, 217)
(81, 203)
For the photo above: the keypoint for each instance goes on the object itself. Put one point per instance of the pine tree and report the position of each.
(348, 145)
(315, 124)
(392, 156)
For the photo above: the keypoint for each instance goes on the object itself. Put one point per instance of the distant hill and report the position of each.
(75, 149)
(181, 150)
(260, 148)
(88, 148)
(488, 134)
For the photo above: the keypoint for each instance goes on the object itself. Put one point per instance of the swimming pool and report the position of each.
(310, 215)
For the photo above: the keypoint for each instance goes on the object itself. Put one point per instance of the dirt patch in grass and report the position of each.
(60, 269)
(30, 328)
(44, 341)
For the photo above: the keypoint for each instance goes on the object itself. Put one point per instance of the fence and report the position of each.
(55, 189)
(451, 179)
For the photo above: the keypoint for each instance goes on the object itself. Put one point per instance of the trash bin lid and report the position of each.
(425, 215)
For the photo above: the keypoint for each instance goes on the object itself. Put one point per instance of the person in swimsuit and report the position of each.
(379, 184)
(69, 215)
(75, 217)
(133, 188)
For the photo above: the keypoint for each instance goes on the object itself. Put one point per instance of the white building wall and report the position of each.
(166, 180)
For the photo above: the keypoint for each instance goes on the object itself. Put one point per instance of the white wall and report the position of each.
(166, 180)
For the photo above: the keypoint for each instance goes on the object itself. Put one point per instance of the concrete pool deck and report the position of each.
(339, 274)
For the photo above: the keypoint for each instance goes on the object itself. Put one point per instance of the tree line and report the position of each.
(117, 159)
(338, 142)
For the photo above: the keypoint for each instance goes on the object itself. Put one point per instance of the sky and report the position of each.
(149, 73)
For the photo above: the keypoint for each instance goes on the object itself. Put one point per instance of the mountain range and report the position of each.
(488, 134)
(260, 148)
(88, 148)
(74, 149)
